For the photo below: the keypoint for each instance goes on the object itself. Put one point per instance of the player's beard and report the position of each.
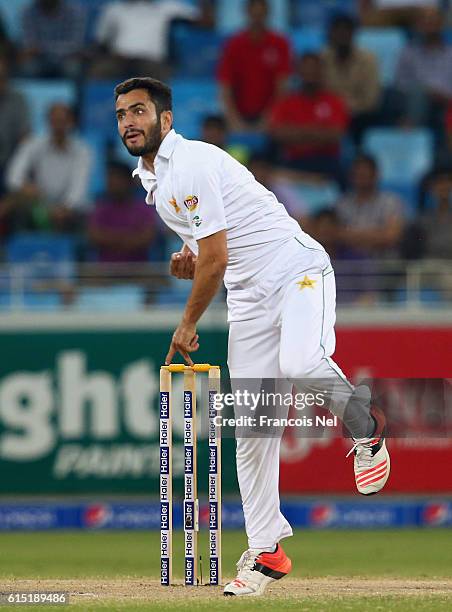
(152, 141)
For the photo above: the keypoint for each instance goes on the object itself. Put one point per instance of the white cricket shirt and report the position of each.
(199, 189)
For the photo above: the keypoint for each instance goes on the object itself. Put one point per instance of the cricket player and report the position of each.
(281, 305)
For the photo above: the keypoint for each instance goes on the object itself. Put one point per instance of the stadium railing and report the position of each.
(131, 287)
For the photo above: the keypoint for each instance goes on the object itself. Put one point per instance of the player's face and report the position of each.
(138, 124)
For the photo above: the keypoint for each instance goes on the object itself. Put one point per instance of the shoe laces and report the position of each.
(245, 565)
(363, 448)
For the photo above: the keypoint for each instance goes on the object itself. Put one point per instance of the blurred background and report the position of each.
(87, 306)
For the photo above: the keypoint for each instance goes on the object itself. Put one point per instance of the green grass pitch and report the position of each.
(387, 570)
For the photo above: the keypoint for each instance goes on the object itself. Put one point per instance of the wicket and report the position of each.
(191, 507)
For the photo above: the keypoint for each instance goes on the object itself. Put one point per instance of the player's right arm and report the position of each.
(210, 269)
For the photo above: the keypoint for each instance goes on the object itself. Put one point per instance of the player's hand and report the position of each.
(185, 341)
(183, 264)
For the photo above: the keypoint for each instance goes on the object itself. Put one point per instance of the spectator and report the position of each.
(307, 126)
(436, 222)
(14, 119)
(214, 130)
(373, 221)
(53, 39)
(253, 70)
(355, 275)
(281, 185)
(429, 237)
(424, 74)
(352, 73)
(48, 176)
(133, 36)
(121, 228)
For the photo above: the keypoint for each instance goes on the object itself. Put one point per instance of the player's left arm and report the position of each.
(209, 271)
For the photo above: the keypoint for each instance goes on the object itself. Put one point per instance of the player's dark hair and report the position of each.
(159, 93)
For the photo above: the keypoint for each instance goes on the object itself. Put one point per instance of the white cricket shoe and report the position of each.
(256, 570)
(372, 464)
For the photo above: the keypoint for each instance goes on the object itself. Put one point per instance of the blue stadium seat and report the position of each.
(193, 99)
(35, 261)
(426, 297)
(196, 51)
(253, 141)
(11, 14)
(41, 93)
(318, 197)
(39, 248)
(306, 39)
(98, 109)
(318, 13)
(387, 45)
(48, 301)
(41, 256)
(231, 15)
(126, 298)
(177, 293)
(403, 156)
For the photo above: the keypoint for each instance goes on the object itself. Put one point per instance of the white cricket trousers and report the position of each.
(281, 327)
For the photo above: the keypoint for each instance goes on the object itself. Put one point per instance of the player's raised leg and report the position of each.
(307, 343)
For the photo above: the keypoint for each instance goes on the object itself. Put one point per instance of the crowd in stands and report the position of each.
(308, 108)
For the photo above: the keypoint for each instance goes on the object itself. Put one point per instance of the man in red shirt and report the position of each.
(253, 70)
(307, 125)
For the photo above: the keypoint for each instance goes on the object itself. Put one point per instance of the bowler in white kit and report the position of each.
(281, 306)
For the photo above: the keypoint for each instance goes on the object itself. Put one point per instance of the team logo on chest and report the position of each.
(191, 202)
(175, 205)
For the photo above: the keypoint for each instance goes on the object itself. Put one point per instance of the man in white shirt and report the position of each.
(134, 35)
(48, 176)
(281, 306)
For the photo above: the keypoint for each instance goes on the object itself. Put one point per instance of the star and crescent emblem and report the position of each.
(306, 283)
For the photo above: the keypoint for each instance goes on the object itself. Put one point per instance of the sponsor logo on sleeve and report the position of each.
(175, 205)
(191, 203)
